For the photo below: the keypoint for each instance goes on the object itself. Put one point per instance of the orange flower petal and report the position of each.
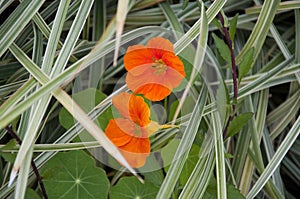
(173, 61)
(158, 46)
(137, 55)
(158, 92)
(150, 84)
(120, 131)
(132, 107)
(151, 90)
(136, 151)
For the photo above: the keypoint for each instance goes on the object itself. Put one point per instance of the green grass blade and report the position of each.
(276, 159)
(198, 60)
(198, 182)
(54, 36)
(16, 22)
(184, 147)
(259, 33)
(120, 21)
(172, 19)
(72, 37)
(193, 32)
(219, 154)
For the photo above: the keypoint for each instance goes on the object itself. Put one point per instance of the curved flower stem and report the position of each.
(234, 72)
(34, 168)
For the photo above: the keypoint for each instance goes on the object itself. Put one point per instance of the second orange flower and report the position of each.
(153, 70)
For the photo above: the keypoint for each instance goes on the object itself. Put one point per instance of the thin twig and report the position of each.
(34, 168)
(234, 72)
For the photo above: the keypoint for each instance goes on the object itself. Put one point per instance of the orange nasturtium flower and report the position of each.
(153, 70)
(131, 132)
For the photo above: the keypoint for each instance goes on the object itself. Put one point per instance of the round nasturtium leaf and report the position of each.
(131, 188)
(74, 175)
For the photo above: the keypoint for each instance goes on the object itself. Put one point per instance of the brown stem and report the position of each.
(34, 168)
(234, 72)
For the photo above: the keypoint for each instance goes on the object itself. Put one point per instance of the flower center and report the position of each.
(159, 66)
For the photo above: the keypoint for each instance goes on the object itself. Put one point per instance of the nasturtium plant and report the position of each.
(155, 177)
(130, 187)
(73, 175)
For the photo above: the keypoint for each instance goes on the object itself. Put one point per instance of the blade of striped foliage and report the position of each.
(276, 159)
(219, 153)
(193, 32)
(283, 6)
(199, 179)
(5, 4)
(297, 38)
(55, 36)
(17, 96)
(120, 20)
(57, 147)
(172, 19)
(198, 61)
(184, 147)
(23, 175)
(259, 33)
(256, 161)
(246, 90)
(285, 121)
(16, 22)
(71, 39)
(26, 121)
(99, 23)
(268, 145)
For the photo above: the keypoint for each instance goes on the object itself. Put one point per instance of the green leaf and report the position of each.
(233, 193)
(74, 175)
(222, 48)
(232, 28)
(130, 187)
(155, 177)
(238, 123)
(9, 157)
(87, 99)
(246, 63)
(31, 194)
(222, 101)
